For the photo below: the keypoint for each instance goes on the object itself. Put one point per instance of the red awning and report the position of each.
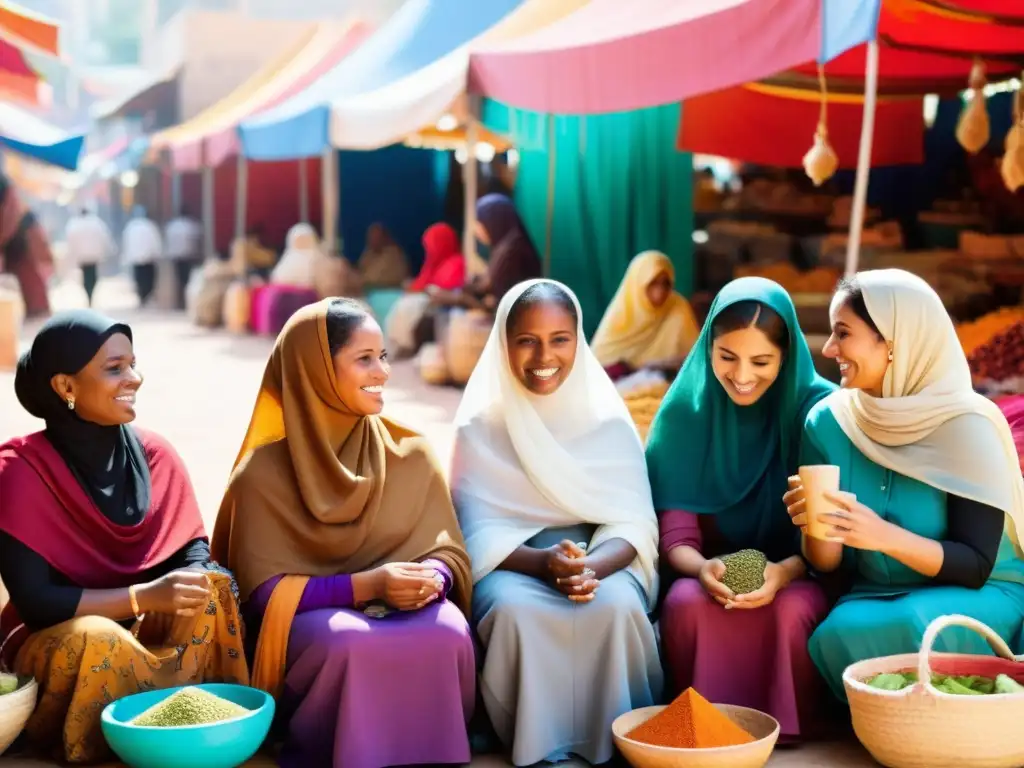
(18, 81)
(756, 127)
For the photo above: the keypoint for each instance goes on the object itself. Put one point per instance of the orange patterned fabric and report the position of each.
(84, 664)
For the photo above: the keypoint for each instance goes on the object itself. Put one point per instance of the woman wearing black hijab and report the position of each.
(99, 527)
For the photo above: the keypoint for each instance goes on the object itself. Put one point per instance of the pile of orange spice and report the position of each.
(690, 722)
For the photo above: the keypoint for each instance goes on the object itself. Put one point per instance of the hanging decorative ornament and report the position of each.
(821, 162)
(972, 130)
(1012, 165)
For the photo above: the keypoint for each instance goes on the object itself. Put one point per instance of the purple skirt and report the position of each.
(369, 693)
(750, 658)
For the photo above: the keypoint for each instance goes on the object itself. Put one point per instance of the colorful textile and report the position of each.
(707, 455)
(636, 332)
(88, 662)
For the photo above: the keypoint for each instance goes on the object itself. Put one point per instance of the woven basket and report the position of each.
(15, 710)
(921, 727)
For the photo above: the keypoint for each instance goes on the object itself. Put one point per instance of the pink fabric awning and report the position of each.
(614, 56)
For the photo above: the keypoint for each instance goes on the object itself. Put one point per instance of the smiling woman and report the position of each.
(102, 545)
(546, 459)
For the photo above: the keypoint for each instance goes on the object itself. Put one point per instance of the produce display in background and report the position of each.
(817, 280)
(998, 364)
(963, 685)
(643, 403)
(978, 332)
(744, 571)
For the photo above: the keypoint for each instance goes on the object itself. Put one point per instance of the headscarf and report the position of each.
(108, 461)
(633, 330)
(444, 265)
(513, 258)
(524, 463)
(298, 263)
(318, 490)
(382, 263)
(929, 423)
(707, 455)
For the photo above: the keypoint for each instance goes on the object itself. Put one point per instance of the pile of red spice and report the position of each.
(690, 722)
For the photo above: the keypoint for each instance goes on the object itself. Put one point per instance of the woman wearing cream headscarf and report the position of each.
(939, 498)
(550, 483)
(648, 325)
(349, 558)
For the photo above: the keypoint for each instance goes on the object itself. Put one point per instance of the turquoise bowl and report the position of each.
(216, 745)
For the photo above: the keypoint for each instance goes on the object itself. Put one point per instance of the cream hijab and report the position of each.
(636, 332)
(523, 463)
(929, 423)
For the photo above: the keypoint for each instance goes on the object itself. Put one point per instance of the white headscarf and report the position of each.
(297, 266)
(524, 463)
(929, 423)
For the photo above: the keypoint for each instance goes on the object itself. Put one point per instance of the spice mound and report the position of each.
(961, 685)
(690, 722)
(744, 571)
(190, 706)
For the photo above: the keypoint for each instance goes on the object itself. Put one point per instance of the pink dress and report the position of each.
(752, 658)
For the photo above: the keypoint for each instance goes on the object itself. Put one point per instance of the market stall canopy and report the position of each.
(27, 29)
(394, 112)
(613, 56)
(157, 94)
(211, 136)
(756, 124)
(418, 35)
(29, 135)
(18, 81)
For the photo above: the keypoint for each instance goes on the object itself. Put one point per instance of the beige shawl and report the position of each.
(929, 423)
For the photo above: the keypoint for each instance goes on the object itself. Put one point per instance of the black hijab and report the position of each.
(109, 462)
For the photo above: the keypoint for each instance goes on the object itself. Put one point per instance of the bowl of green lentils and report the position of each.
(213, 725)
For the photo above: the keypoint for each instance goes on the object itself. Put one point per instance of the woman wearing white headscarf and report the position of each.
(939, 498)
(550, 483)
(298, 263)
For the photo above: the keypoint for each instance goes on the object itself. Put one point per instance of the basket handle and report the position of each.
(924, 669)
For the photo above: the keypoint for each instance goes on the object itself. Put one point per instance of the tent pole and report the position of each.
(303, 191)
(241, 196)
(209, 234)
(549, 222)
(470, 191)
(329, 199)
(860, 187)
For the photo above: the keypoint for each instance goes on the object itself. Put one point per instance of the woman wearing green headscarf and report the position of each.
(720, 452)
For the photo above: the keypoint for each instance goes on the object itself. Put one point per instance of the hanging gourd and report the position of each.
(821, 162)
(972, 130)
(1012, 166)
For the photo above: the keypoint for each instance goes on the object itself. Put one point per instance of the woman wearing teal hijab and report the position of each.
(719, 455)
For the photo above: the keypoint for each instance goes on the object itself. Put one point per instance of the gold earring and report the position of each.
(71, 403)
(890, 354)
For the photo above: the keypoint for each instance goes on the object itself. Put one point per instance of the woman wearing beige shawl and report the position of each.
(929, 524)
(383, 263)
(349, 557)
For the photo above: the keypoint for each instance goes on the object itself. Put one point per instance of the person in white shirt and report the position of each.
(141, 246)
(89, 243)
(183, 245)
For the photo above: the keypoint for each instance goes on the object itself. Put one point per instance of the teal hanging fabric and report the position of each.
(620, 187)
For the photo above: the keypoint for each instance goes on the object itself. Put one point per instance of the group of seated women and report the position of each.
(382, 605)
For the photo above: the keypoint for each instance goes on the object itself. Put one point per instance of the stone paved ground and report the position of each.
(199, 391)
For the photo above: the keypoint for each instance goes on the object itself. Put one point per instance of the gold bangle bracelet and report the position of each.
(134, 601)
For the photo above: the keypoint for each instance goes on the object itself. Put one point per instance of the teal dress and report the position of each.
(890, 605)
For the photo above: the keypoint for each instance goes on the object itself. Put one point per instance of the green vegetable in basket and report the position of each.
(966, 685)
(8, 683)
(1006, 684)
(892, 681)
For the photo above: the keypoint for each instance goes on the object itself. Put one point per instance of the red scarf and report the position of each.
(444, 265)
(44, 507)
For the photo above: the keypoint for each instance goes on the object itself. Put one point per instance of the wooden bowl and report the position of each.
(756, 754)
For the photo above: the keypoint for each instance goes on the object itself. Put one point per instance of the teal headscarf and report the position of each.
(707, 455)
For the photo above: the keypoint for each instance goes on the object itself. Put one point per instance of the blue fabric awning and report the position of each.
(420, 33)
(33, 137)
